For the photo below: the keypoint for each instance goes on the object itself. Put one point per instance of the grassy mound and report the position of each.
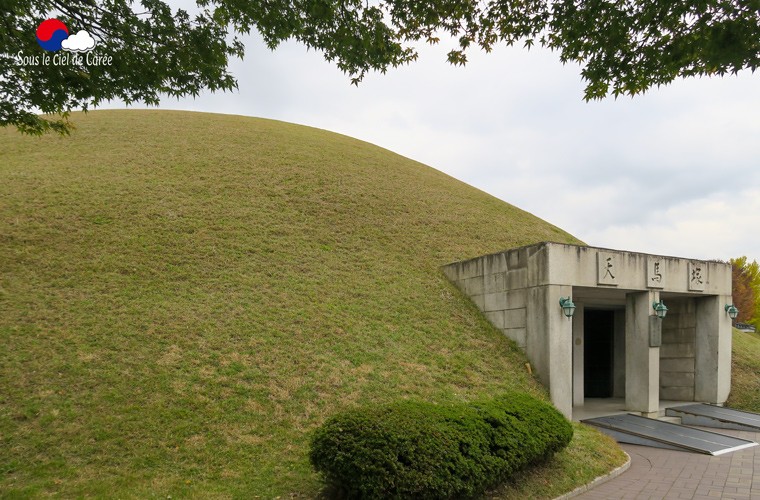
(745, 372)
(184, 297)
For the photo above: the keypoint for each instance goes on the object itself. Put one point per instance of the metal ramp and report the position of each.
(633, 429)
(705, 415)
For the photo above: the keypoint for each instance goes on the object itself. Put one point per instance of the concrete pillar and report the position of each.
(642, 362)
(549, 343)
(712, 374)
(618, 359)
(578, 359)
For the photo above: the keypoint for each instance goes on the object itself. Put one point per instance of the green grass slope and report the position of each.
(184, 297)
(745, 372)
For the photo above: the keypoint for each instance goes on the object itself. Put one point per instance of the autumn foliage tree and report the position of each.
(746, 289)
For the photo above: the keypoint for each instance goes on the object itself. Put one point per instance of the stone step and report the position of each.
(672, 420)
(716, 416)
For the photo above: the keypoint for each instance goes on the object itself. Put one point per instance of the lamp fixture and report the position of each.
(660, 309)
(567, 306)
(732, 311)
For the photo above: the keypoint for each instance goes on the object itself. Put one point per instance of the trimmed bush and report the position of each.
(413, 449)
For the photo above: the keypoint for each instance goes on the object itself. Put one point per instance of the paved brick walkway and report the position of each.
(663, 474)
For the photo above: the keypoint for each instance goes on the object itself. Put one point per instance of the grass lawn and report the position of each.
(590, 454)
(184, 297)
(745, 372)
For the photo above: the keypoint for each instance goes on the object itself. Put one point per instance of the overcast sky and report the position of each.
(673, 172)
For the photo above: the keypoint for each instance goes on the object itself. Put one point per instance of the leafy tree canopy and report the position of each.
(623, 46)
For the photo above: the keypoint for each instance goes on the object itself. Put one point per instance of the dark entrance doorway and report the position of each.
(598, 332)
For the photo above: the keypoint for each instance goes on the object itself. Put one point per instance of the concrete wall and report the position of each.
(679, 332)
(505, 287)
(498, 285)
(549, 343)
(519, 290)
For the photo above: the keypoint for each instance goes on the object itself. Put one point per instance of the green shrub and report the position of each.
(412, 449)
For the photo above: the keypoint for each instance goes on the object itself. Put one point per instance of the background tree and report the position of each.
(623, 46)
(746, 289)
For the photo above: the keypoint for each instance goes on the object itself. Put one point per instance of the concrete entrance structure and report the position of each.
(614, 345)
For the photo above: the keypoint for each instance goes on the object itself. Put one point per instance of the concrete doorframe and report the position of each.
(618, 355)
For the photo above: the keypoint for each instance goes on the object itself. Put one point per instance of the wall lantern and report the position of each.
(732, 311)
(660, 309)
(567, 306)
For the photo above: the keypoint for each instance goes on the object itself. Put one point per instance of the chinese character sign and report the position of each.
(607, 268)
(655, 273)
(696, 276)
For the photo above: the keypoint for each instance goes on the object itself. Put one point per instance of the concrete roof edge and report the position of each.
(542, 243)
(546, 243)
